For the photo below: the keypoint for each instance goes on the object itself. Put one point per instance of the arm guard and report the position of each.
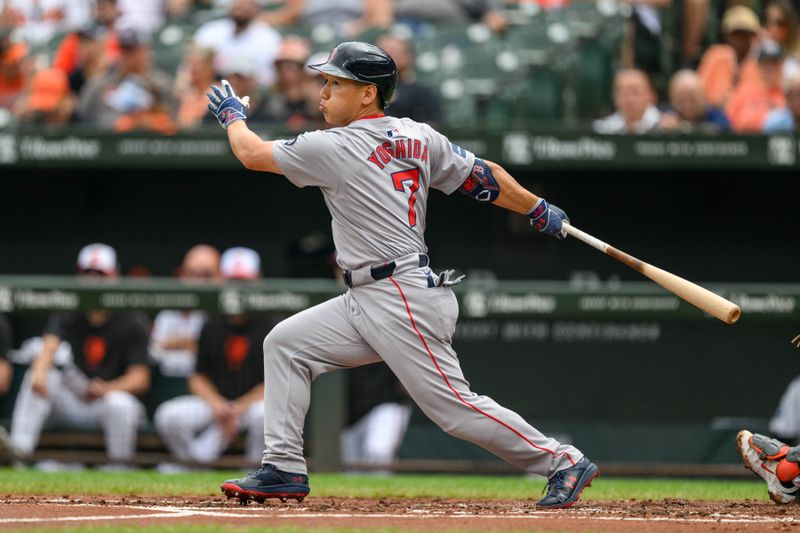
(481, 184)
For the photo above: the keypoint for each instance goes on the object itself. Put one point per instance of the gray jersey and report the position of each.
(375, 175)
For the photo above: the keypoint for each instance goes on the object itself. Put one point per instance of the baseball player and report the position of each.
(226, 387)
(375, 173)
(100, 385)
(774, 461)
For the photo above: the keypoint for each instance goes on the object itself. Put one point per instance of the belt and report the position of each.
(368, 274)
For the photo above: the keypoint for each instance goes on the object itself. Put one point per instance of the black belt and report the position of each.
(383, 271)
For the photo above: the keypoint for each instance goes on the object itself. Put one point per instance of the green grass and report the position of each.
(150, 483)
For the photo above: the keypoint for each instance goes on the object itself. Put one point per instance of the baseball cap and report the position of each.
(240, 263)
(236, 64)
(97, 257)
(130, 38)
(769, 50)
(48, 89)
(740, 18)
(92, 31)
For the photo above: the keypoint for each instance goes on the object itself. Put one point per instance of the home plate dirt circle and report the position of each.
(19, 513)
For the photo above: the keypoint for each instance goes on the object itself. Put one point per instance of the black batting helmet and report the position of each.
(362, 62)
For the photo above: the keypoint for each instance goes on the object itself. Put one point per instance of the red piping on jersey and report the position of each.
(368, 117)
(462, 400)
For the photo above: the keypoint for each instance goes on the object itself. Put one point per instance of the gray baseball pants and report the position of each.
(410, 326)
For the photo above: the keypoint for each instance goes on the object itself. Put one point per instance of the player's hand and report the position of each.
(97, 389)
(39, 380)
(226, 106)
(222, 411)
(548, 219)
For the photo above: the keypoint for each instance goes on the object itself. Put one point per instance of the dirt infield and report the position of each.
(18, 513)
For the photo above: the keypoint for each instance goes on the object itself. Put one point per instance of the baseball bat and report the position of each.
(704, 299)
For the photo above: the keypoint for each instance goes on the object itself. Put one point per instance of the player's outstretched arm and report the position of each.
(231, 113)
(489, 182)
(250, 150)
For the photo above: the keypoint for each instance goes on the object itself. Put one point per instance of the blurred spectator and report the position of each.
(688, 109)
(644, 29)
(634, 100)
(786, 118)
(242, 75)
(415, 12)
(723, 66)
(752, 100)
(348, 17)
(182, 10)
(227, 387)
(92, 48)
(5, 347)
(132, 95)
(241, 36)
(99, 386)
(49, 100)
(144, 16)
(410, 99)
(780, 24)
(379, 412)
(173, 340)
(313, 81)
(694, 20)
(14, 69)
(289, 103)
(39, 20)
(85, 54)
(191, 86)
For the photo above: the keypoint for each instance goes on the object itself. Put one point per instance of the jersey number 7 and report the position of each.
(399, 179)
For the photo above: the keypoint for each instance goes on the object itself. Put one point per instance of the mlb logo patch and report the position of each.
(393, 133)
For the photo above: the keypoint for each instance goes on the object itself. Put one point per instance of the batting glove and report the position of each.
(226, 106)
(548, 219)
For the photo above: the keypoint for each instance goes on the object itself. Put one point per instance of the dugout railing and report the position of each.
(668, 385)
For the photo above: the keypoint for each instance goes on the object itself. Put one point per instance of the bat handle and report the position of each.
(585, 237)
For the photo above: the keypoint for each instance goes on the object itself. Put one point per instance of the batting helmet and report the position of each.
(362, 62)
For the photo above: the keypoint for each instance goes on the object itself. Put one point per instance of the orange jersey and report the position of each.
(720, 73)
(750, 103)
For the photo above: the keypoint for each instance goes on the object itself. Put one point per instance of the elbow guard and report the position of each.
(481, 184)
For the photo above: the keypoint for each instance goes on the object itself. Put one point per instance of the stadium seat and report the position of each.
(170, 44)
(592, 82)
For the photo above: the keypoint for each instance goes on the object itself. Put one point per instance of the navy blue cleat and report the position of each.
(566, 486)
(267, 482)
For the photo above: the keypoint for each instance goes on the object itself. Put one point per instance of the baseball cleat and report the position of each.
(566, 486)
(761, 456)
(267, 482)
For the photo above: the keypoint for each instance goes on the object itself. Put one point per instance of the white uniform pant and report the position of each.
(786, 420)
(186, 425)
(410, 326)
(375, 438)
(118, 413)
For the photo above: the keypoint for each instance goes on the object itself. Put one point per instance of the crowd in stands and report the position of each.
(101, 70)
(93, 369)
(744, 84)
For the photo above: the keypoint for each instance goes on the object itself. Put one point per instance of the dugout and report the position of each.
(667, 385)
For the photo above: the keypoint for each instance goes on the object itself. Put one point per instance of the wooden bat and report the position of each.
(704, 299)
